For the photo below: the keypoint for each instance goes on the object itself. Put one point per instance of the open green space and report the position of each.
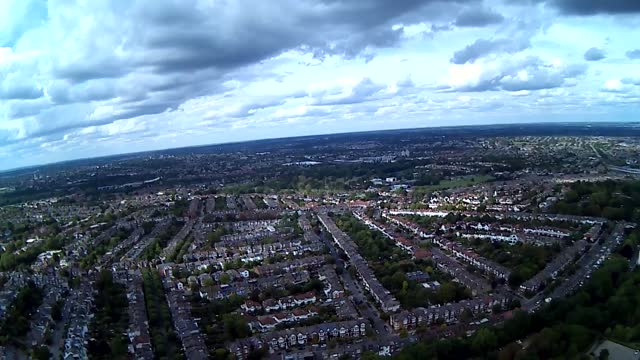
(462, 181)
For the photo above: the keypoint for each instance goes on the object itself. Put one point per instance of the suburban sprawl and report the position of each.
(497, 242)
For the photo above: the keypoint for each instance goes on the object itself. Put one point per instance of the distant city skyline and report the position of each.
(86, 79)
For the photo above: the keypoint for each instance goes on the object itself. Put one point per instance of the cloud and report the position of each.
(246, 110)
(143, 57)
(523, 74)
(363, 90)
(483, 47)
(478, 17)
(17, 86)
(631, 81)
(594, 54)
(593, 7)
(614, 85)
(633, 54)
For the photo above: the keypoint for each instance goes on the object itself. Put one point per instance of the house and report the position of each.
(251, 306)
(305, 299)
(270, 305)
(205, 279)
(266, 323)
(418, 276)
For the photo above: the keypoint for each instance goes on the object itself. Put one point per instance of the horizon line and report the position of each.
(568, 122)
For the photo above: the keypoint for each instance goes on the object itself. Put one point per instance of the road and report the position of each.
(358, 295)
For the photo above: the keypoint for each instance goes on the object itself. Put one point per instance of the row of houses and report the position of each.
(383, 297)
(206, 279)
(400, 241)
(134, 237)
(490, 231)
(186, 327)
(269, 322)
(253, 225)
(271, 202)
(78, 309)
(507, 228)
(446, 264)
(299, 337)
(471, 257)
(251, 253)
(333, 289)
(408, 225)
(248, 202)
(245, 288)
(41, 321)
(287, 302)
(139, 336)
(523, 216)
(178, 238)
(307, 263)
(210, 204)
(139, 247)
(554, 267)
(448, 313)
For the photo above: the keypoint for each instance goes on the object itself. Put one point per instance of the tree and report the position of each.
(7, 261)
(484, 340)
(515, 279)
(118, 347)
(41, 353)
(56, 310)
(497, 308)
(147, 226)
(370, 355)
(466, 315)
(225, 278)
(235, 327)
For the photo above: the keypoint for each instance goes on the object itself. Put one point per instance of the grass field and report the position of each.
(457, 182)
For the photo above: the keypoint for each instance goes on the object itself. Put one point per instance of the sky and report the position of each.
(86, 78)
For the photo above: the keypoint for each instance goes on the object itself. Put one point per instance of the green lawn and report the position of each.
(456, 183)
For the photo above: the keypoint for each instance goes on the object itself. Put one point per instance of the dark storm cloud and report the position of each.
(594, 54)
(484, 47)
(327, 27)
(633, 54)
(371, 13)
(354, 45)
(593, 7)
(478, 17)
(182, 50)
